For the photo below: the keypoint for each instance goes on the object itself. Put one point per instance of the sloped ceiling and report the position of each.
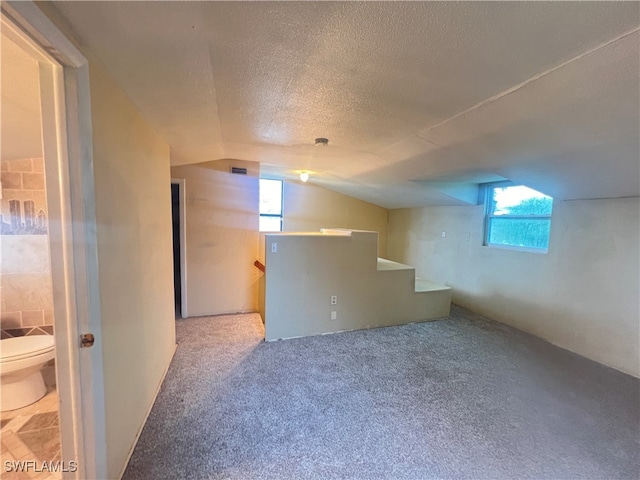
(417, 99)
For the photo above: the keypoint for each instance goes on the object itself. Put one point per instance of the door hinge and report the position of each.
(86, 340)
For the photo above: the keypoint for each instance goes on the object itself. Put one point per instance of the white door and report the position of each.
(67, 147)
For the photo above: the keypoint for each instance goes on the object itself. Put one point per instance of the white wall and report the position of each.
(582, 295)
(222, 237)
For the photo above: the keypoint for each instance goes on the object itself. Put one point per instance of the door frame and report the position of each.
(182, 195)
(68, 153)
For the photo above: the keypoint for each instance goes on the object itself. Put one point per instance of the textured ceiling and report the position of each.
(416, 98)
(20, 108)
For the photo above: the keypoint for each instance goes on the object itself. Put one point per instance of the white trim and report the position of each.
(182, 196)
(516, 248)
(68, 148)
(42, 33)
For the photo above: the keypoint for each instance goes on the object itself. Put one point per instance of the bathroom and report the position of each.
(29, 422)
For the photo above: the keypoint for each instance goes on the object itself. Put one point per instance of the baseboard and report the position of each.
(155, 396)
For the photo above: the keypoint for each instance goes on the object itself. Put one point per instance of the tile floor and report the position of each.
(31, 433)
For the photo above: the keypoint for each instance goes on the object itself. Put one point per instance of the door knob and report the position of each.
(86, 340)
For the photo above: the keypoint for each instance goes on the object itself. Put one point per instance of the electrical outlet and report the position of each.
(444, 234)
(334, 299)
(274, 247)
(334, 315)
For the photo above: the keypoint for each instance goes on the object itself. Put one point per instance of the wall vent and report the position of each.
(239, 170)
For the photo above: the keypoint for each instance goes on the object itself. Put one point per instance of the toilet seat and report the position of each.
(13, 349)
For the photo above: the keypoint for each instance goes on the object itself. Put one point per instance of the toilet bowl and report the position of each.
(21, 361)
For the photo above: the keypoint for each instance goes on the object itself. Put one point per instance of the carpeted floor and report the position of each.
(463, 397)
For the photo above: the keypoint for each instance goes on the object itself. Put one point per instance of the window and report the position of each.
(517, 216)
(270, 205)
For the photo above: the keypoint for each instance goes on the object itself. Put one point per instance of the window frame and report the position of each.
(488, 202)
(272, 215)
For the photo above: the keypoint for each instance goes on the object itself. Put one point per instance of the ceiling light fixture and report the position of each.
(321, 142)
(304, 176)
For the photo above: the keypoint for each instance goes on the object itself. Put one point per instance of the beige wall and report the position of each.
(305, 270)
(308, 208)
(222, 237)
(133, 209)
(582, 295)
(133, 216)
(222, 223)
(27, 293)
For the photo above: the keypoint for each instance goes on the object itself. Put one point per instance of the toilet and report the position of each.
(21, 361)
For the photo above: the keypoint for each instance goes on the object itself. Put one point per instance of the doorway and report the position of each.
(29, 423)
(175, 220)
(69, 217)
(178, 212)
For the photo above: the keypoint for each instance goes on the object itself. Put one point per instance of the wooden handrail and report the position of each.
(259, 266)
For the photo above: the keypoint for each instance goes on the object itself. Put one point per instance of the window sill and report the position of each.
(543, 251)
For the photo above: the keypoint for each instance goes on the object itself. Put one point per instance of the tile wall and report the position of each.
(26, 291)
